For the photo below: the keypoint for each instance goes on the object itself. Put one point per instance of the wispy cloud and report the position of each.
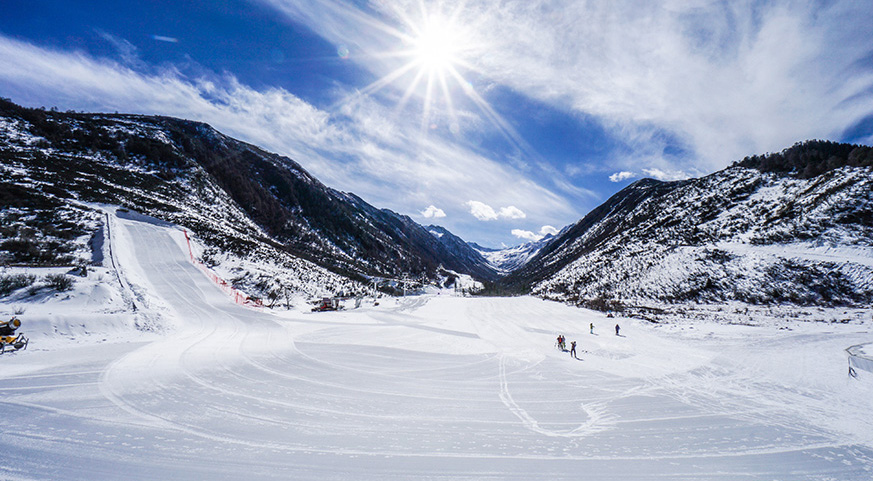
(127, 51)
(162, 38)
(719, 79)
(725, 78)
(264, 117)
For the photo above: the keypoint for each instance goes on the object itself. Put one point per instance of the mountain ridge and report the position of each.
(798, 222)
(758, 236)
(231, 193)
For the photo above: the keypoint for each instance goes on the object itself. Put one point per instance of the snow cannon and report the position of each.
(8, 338)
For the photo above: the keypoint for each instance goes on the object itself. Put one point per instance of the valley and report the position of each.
(418, 387)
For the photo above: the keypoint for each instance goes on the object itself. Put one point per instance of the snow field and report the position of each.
(426, 387)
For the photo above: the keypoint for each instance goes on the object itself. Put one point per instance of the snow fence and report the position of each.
(238, 296)
(860, 358)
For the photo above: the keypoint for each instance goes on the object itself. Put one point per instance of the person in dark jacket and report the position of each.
(573, 350)
(616, 330)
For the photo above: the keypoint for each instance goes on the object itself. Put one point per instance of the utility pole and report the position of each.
(376, 281)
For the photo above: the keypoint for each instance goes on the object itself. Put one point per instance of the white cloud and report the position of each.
(666, 176)
(547, 229)
(526, 235)
(485, 212)
(530, 236)
(481, 210)
(433, 212)
(620, 176)
(511, 212)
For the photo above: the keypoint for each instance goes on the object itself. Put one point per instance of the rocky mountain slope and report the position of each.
(794, 227)
(470, 260)
(234, 196)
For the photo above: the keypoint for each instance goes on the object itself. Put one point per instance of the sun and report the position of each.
(433, 64)
(432, 53)
(437, 47)
(429, 62)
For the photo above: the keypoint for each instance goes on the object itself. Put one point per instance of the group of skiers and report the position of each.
(563, 346)
(562, 341)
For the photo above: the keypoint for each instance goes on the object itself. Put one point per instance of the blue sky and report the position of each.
(500, 120)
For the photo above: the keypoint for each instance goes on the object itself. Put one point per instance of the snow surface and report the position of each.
(425, 387)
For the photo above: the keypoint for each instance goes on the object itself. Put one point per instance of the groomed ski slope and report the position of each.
(428, 387)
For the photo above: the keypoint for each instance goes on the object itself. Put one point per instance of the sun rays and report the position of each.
(430, 60)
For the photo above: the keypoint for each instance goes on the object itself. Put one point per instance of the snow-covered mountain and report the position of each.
(793, 227)
(510, 259)
(234, 196)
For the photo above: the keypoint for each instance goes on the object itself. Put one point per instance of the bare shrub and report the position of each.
(603, 304)
(13, 282)
(59, 282)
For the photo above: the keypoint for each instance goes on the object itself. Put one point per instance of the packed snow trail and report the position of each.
(433, 387)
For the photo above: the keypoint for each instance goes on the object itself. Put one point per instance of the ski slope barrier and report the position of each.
(237, 296)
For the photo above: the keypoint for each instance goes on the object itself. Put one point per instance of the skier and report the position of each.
(616, 330)
(573, 350)
(561, 342)
(592, 328)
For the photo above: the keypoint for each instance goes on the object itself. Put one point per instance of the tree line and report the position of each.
(811, 158)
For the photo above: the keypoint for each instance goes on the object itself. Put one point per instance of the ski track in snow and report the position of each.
(436, 387)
